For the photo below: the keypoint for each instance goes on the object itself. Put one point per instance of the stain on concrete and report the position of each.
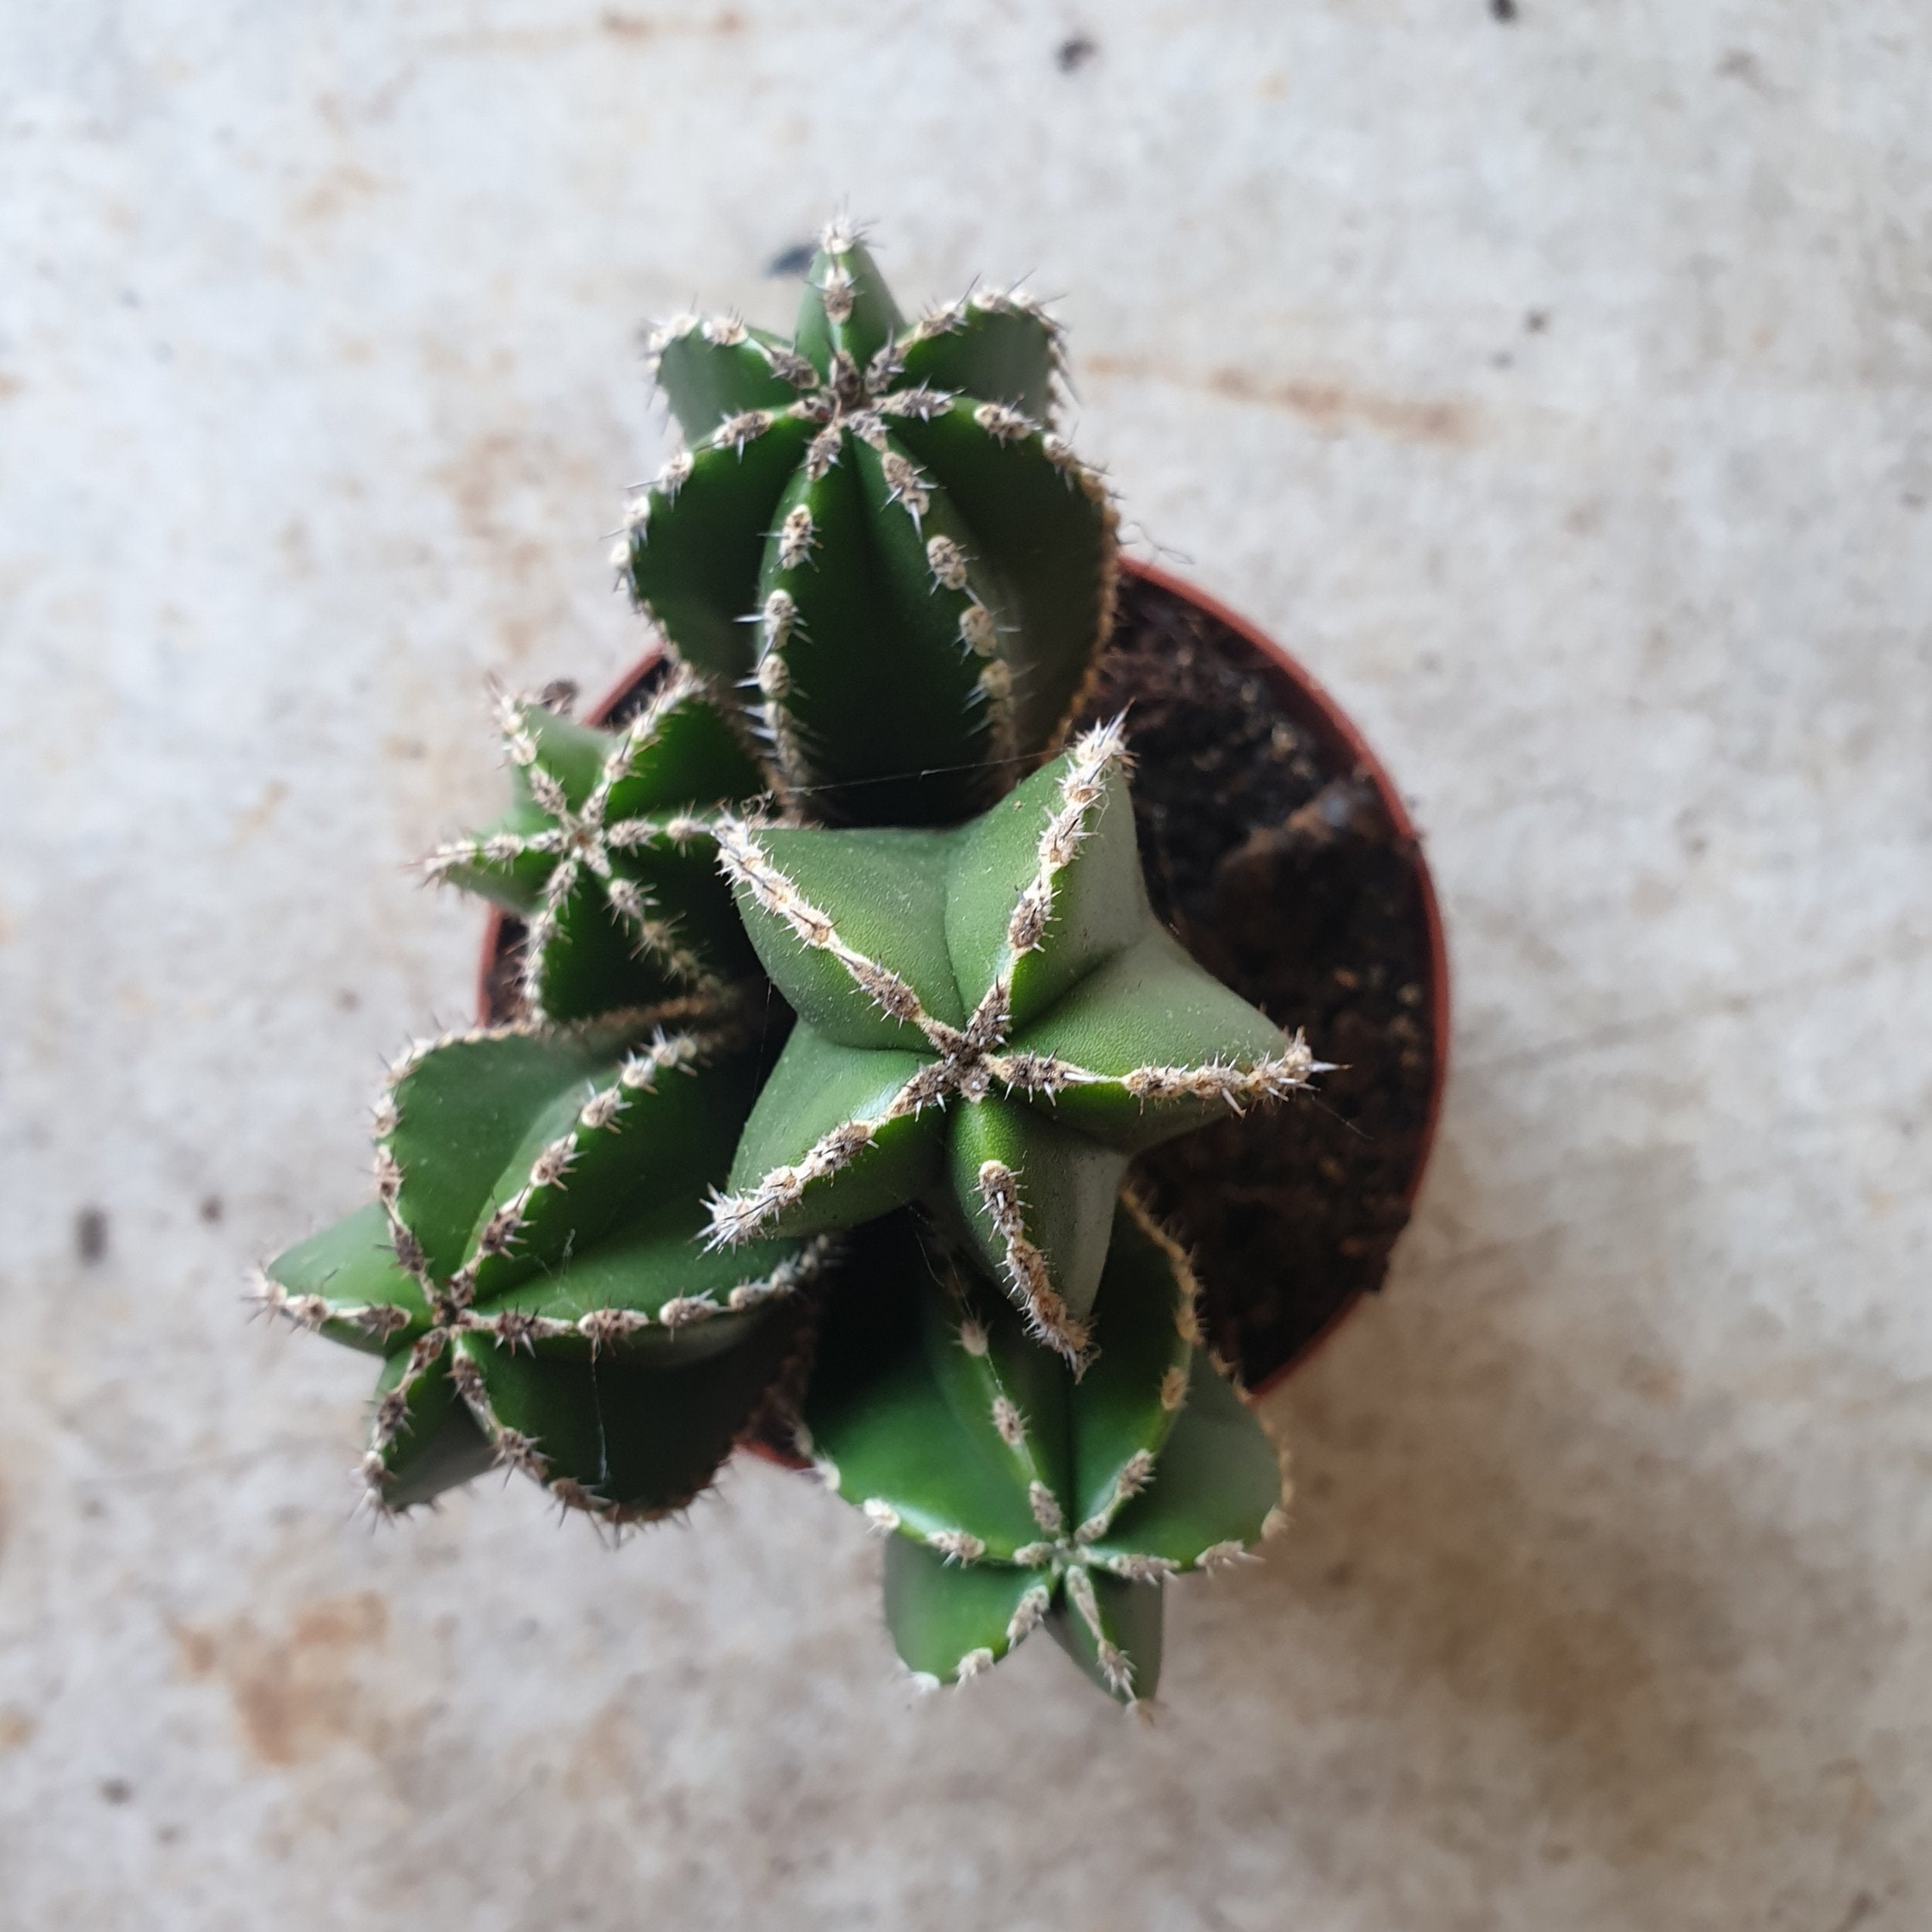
(500, 471)
(292, 540)
(257, 818)
(623, 26)
(343, 190)
(297, 1694)
(90, 1228)
(794, 260)
(1330, 406)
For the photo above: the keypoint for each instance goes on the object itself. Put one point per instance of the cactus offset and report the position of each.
(529, 1273)
(1015, 1493)
(992, 1017)
(608, 851)
(877, 534)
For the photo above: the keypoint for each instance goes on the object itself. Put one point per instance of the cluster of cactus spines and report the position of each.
(529, 1271)
(611, 1236)
(990, 1018)
(607, 852)
(875, 535)
(1016, 1492)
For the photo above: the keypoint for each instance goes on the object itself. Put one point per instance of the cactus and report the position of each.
(876, 533)
(1014, 1492)
(530, 1274)
(991, 1016)
(611, 1234)
(608, 852)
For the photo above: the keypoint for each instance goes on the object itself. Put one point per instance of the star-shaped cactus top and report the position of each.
(992, 1017)
(1013, 1490)
(531, 1272)
(876, 534)
(609, 852)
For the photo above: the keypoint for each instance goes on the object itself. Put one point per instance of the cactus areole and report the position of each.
(839, 1011)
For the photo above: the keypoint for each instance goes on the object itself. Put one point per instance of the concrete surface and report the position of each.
(1561, 387)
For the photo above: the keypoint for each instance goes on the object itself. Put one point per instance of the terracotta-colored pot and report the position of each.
(1300, 695)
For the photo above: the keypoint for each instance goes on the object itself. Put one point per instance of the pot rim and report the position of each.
(1304, 695)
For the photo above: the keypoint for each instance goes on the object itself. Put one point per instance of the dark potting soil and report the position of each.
(1274, 863)
(1278, 868)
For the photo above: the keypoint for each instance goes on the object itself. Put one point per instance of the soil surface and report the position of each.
(1278, 868)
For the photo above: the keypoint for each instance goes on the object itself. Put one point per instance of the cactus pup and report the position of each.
(1013, 1493)
(876, 534)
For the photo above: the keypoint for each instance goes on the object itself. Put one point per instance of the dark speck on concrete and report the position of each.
(116, 1790)
(1503, 10)
(794, 260)
(1536, 321)
(211, 1207)
(1075, 53)
(90, 1234)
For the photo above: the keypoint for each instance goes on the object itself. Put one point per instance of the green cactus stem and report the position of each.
(1015, 1493)
(876, 534)
(992, 1017)
(530, 1274)
(608, 853)
(609, 1236)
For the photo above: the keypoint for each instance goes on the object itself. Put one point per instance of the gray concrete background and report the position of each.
(1562, 388)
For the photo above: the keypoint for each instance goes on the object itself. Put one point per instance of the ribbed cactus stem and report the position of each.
(1019, 1109)
(1014, 1492)
(606, 853)
(528, 1270)
(875, 537)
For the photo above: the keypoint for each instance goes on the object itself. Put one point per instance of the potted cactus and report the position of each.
(831, 1025)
